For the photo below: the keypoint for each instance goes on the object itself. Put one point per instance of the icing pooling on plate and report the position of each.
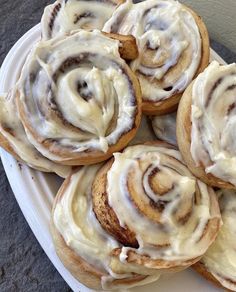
(178, 234)
(213, 116)
(220, 259)
(65, 16)
(76, 91)
(164, 128)
(12, 129)
(169, 45)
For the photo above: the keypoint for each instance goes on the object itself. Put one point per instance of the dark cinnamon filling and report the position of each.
(77, 17)
(82, 60)
(168, 88)
(8, 129)
(231, 108)
(149, 47)
(83, 91)
(83, 16)
(160, 204)
(218, 83)
(54, 15)
(231, 87)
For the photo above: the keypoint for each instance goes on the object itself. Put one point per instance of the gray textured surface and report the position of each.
(219, 17)
(23, 264)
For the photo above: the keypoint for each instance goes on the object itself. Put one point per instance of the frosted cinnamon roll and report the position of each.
(78, 100)
(14, 140)
(173, 48)
(164, 127)
(219, 263)
(64, 16)
(206, 123)
(138, 216)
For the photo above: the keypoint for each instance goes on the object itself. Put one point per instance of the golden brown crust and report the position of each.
(105, 214)
(183, 132)
(202, 270)
(141, 264)
(5, 144)
(69, 157)
(109, 221)
(170, 105)
(128, 48)
(79, 268)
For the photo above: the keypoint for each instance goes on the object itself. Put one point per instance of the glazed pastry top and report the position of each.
(171, 223)
(75, 220)
(11, 128)
(166, 190)
(213, 117)
(63, 16)
(76, 91)
(169, 44)
(220, 258)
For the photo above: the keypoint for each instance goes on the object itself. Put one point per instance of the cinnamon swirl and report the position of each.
(219, 263)
(14, 140)
(64, 16)
(173, 48)
(78, 100)
(139, 215)
(206, 124)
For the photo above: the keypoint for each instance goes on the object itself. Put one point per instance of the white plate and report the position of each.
(35, 191)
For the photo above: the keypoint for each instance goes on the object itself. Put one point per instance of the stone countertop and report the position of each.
(23, 264)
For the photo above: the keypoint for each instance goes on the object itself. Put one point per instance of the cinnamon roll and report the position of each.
(164, 127)
(77, 98)
(219, 263)
(14, 140)
(206, 124)
(137, 216)
(64, 16)
(173, 48)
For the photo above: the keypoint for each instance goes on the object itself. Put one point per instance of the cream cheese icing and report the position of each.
(166, 33)
(220, 258)
(213, 117)
(63, 16)
(82, 79)
(12, 130)
(184, 241)
(75, 220)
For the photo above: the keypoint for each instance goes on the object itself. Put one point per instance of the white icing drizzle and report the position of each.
(164, 128)
(94, 95)
(181, 240)
(213, 116)
(184, 240)
(165, 31)
(75, 220)
(12, 130)
(63, 16)
(220, 259)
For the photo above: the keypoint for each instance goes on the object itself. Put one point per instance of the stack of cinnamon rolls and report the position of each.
(126, 214)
